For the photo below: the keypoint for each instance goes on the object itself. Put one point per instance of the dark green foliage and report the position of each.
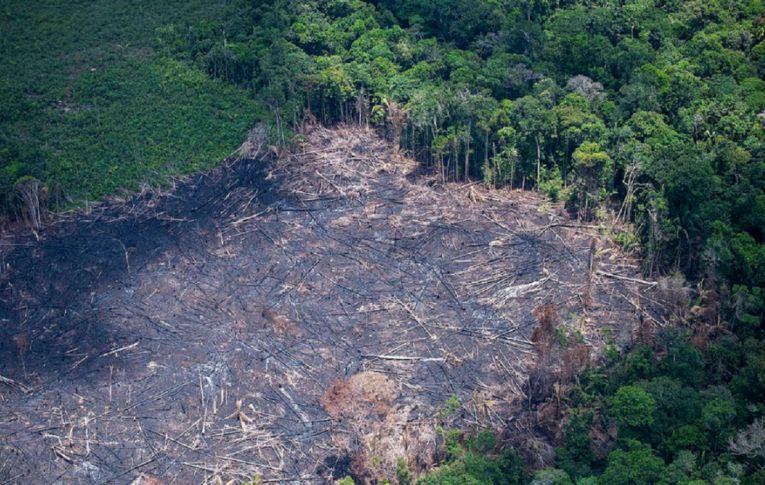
(635, 464)
(675, 422)
(637, 365)
(632, 407)
(676, 405)
(576, 456)
(551, 476)
(145, 127)
(683, 360)
(482, 442)
(685, 438)
(91, 105)
(403, 474)
(468, 463)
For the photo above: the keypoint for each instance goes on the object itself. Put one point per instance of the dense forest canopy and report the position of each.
(644, 116)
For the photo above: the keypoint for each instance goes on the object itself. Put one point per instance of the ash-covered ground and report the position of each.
(297, 319)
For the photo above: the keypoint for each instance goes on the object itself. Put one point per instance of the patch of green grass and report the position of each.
(90, 107)
(143, 121)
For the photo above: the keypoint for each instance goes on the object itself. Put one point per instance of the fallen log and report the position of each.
(405, 358)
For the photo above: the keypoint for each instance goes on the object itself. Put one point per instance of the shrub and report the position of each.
(632, 406)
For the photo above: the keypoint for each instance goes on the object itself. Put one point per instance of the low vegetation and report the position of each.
(92, 106)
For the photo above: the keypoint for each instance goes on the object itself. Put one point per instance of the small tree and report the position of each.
(396, 118)
(501, 168)
(633, 406)
(593, 166)
(551, 476)
(635, 465)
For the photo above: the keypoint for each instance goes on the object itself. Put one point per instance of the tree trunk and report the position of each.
(512, 173)
(494, 157)
(29, 191)
(455, 158)
(467, 156)
(486, 147)
(539, 160)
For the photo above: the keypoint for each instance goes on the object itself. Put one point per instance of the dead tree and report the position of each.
(631, 175)
(396, 119)
(591, 269)
(253, 145)
(31, 194)
(750, 441)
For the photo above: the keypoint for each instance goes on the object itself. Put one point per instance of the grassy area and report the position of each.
(90, 105)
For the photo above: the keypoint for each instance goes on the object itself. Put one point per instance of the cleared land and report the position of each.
(295, 318)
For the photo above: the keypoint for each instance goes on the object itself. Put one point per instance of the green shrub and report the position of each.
(632, 406)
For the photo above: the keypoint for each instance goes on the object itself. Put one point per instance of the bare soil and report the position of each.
(296, 319)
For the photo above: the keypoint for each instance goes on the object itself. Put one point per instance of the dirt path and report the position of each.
(294, 320)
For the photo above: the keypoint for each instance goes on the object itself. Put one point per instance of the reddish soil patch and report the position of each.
(274, 315)
(362, 395)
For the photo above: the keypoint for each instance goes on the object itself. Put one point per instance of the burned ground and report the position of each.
(296, 319)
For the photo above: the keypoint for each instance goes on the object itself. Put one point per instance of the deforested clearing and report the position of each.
(300, 318)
